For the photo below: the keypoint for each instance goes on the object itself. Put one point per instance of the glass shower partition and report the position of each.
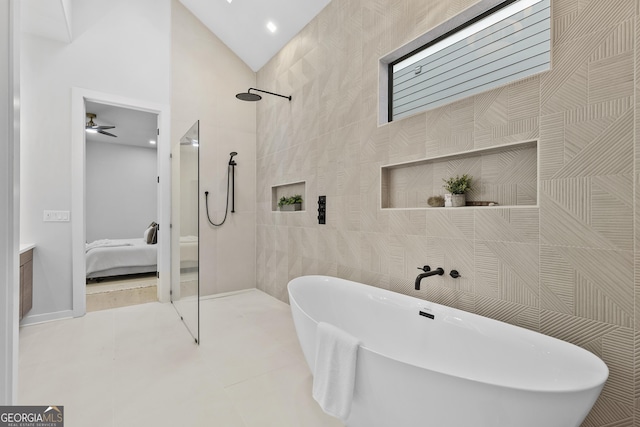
(185, 287)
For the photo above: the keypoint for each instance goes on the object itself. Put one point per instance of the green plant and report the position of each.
(458, 185)
(289, 200)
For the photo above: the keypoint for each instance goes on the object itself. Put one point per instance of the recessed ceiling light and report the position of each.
(272, 27)
(229, 1)
(152, 142)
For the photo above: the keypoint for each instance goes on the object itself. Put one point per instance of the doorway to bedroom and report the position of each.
(121, 203)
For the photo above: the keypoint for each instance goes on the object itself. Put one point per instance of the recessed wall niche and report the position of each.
(288, 190)
(505, 174)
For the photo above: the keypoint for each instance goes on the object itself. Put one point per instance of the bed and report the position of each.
(188, 253)
(117, 257)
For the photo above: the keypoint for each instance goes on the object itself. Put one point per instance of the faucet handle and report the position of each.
(425, 268)
(454, 274)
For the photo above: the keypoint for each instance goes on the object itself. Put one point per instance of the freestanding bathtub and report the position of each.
(425, 364)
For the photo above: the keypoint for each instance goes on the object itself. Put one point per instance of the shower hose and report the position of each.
(226, 209)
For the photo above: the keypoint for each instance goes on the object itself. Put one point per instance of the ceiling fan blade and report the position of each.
(104, 127)
(106, 133)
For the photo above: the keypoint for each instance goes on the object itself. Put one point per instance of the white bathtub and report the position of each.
(455, 370)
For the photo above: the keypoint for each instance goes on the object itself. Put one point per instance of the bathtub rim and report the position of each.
(565, 390)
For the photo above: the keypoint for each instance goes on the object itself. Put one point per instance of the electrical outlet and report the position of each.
(56, 216)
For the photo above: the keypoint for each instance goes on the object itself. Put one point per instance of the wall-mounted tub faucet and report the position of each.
(427, 273)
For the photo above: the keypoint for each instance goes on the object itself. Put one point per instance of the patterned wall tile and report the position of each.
(509, 312)
(348, 175)
(594, 16)
(408, 222)
(452, 254)
(557, 282)
(617, 353)
(407, 253)
(551, 145)
(509, 225)
(574, 278)
(508, 114)
(507, 271)
(406, 139)
(569, 85)
(587, 212)
(404, 286)
(372, 218)
(344, 212)
(374, 142)
(576, 330)
(412, 186)
(450, 128)
(348, 244)
(449, 297)
(375, 279)
(374, 253)
(591, 283)
(608, 412)
(451, 223)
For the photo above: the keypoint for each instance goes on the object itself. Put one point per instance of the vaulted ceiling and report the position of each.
(240, 24)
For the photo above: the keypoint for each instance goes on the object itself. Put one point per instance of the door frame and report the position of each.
(78, 189)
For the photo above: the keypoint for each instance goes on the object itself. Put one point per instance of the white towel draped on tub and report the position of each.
(335, 370)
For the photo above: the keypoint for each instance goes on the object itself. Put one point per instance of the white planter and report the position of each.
(458, 200)
(294, 207)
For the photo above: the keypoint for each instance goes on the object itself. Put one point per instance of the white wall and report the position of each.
(9, 199)
(121, 190)
(206, 75)
(120, 47)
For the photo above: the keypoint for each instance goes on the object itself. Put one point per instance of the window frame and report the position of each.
(466, 18)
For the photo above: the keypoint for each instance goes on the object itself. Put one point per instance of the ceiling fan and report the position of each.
(91, 127)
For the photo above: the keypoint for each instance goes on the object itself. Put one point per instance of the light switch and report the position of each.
(56, 216)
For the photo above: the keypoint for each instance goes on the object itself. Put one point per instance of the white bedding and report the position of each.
(120, 253)
(189, 249)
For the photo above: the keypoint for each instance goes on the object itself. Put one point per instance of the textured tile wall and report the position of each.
(566, 268)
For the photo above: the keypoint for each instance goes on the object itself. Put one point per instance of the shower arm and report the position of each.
(270, 93)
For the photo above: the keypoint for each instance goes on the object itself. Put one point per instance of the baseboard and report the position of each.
(46, 317)
(227, 294)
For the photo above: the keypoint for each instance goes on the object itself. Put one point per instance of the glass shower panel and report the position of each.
(185, 288)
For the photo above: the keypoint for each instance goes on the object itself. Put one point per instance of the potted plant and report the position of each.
(293, 203)
(457, 187)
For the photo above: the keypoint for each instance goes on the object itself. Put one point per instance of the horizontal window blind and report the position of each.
(508, 45)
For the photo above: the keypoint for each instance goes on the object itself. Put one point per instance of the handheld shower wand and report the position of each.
(230, 182)
(233, 164)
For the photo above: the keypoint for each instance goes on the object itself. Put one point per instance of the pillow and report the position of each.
(151, 234)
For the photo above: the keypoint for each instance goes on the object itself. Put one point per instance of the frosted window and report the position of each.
(509, 44)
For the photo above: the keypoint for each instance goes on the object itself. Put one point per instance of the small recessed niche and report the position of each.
(288, 190)
(506, 175)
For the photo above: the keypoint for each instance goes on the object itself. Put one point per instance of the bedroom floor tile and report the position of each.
(138, 365)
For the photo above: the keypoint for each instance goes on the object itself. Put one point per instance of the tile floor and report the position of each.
(138, 366)
(119, 292)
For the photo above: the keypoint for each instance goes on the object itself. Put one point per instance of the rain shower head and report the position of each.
(248, 96)
(231, 161)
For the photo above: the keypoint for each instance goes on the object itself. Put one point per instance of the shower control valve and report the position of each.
(322, 209)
